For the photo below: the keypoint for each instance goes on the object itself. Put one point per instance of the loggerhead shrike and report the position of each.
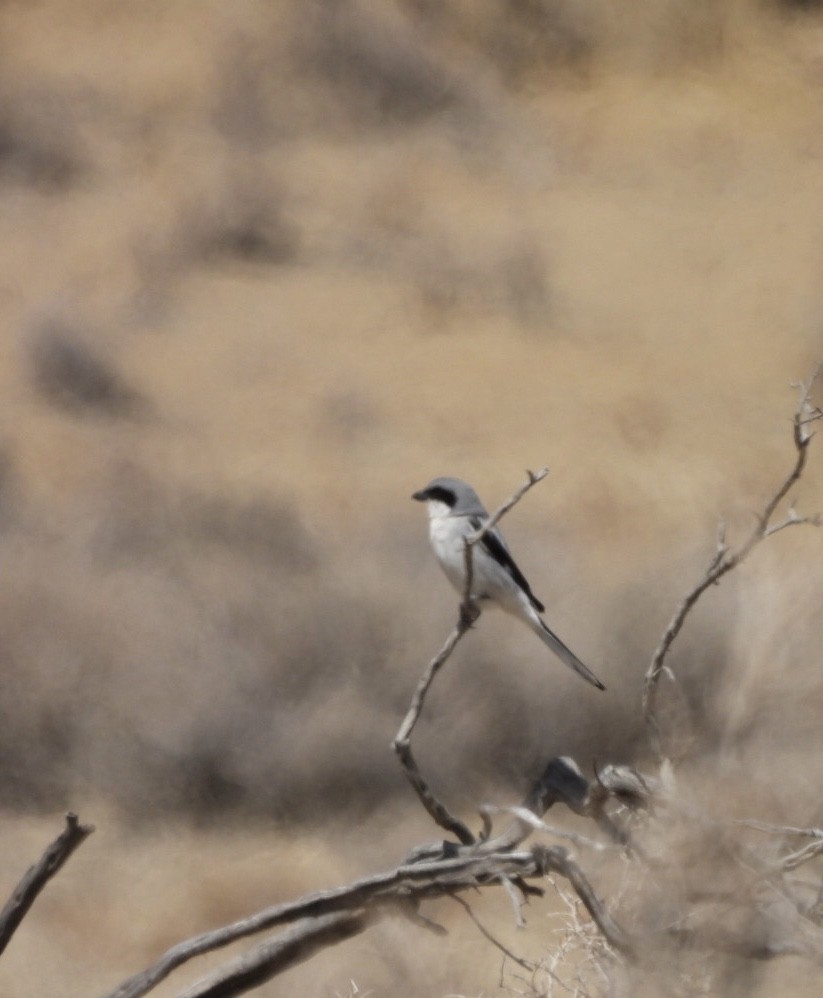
(455, 512)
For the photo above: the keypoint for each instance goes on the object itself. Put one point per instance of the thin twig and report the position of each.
(765, 826)
(402, 742)
(725, 559)
(532, 478)
(525, 964)
(795, 859)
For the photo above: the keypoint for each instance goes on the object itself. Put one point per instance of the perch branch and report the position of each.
(725, 559)
(532, 478)
(37, 876)
(402, 742)
(469, 613)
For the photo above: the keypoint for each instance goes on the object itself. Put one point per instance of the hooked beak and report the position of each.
(419, 496)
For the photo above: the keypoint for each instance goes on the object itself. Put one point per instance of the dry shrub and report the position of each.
(242, 222)
(40, 143)
(528, 38)
(702, 890)
(380, 66)
(71, 373)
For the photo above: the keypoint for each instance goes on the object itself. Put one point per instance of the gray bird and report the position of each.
(455, 512)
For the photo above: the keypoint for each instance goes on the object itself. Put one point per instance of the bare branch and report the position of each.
(795, 859)
(393, 889)
(726, 559)
(532, 478)
(537, 824)
(765, 826)
(272, 957)
(37, 876)
(402, 742)
(793, 520)
(341, 899)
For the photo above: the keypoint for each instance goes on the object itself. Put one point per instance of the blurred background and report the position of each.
(271, 266)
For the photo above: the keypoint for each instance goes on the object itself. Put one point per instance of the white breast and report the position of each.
(446, 534)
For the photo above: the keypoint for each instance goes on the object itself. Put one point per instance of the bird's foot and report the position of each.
(469, 612)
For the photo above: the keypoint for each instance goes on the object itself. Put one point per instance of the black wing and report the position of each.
(495, 547)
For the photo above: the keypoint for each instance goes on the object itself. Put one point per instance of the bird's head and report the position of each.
(450, 497)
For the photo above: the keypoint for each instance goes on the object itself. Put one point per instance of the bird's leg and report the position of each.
(469, 612)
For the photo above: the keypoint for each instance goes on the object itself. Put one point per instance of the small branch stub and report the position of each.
(37, 876)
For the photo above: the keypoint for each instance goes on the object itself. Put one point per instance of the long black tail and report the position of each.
(565, 654)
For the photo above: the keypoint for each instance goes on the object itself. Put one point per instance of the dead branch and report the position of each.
(532, 478)
(726, 558)
(37, 876)
(801, 856)
(352, 897)
(402, 744)
(392, 890)
(445, 870)
(331, 915)
(536, 824)
(272, 957)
